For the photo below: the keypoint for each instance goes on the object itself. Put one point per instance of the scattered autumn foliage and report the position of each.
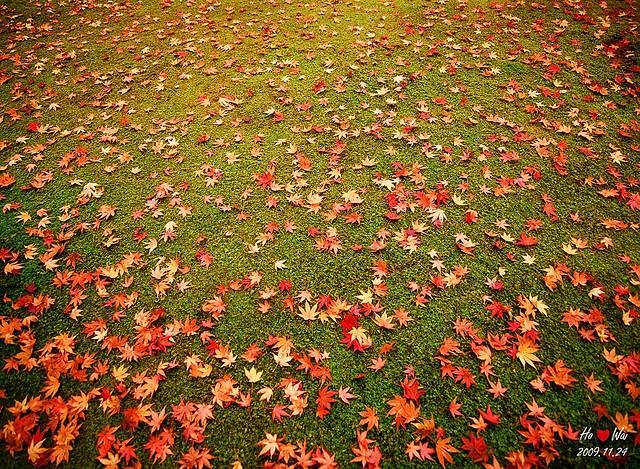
(366, 233)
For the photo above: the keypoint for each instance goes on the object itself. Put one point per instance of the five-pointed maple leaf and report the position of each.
(454, 407)
(476, 448)
(444, 450)
(526, 352)
(369, 418)
(325, 400)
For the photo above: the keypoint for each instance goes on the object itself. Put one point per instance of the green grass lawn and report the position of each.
(341, 233)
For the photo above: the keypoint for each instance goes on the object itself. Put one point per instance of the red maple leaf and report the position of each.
(476, 448)
(324, 401)
(411, 389)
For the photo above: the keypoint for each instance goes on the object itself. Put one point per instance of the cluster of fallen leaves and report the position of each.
(330, 149)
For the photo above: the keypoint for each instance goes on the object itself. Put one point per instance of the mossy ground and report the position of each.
(132, 47)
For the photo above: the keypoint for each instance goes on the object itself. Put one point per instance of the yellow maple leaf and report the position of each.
(526, 351)
(253, 375)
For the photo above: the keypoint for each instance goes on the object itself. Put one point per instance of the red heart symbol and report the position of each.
(602, 435)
